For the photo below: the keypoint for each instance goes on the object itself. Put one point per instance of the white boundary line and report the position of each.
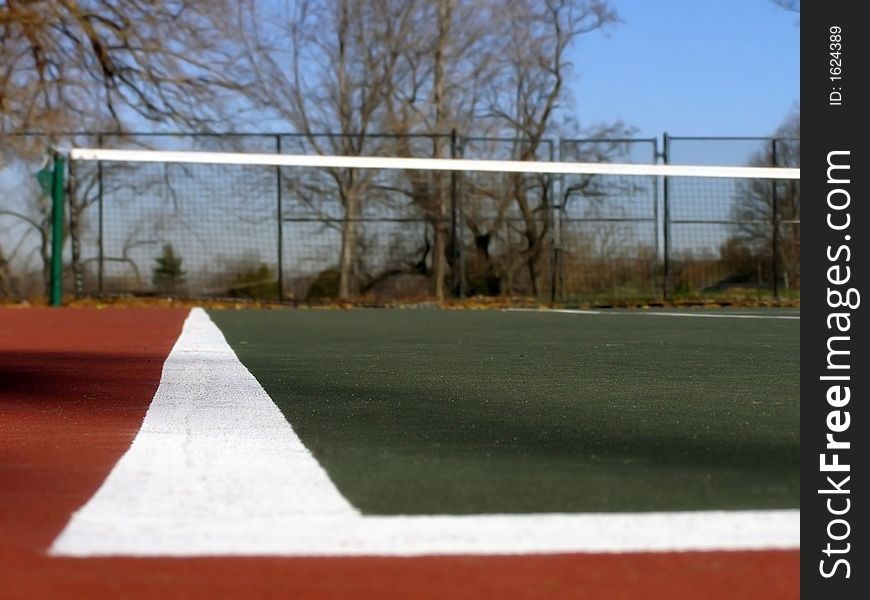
(565, 311)
(650, 313)
(429, 164)
(722, 316)
(217, 470)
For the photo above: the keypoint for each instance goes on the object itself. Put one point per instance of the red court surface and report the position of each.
(74, 387)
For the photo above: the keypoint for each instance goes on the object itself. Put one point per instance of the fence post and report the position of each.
(666, 228)
(57, 230)
(280, 218)
(75, 241)
(100, 253)
(774, 259)
(456, 223)
(655, 261)
(563, 219)
(554, 223)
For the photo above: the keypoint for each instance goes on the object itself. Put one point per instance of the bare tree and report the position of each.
(769, 211)
(443, 59)
(25, 220)
(107, 64)
(490, 69)
(444, 22)
(320, 67)
(349, 67)
(72, 64)
(428, 67)
(527, 94)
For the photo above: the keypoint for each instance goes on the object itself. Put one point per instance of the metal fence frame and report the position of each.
(668, 222)
(558, 217)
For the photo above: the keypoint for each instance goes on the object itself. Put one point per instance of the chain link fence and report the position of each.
(731, 236)
(287, 234)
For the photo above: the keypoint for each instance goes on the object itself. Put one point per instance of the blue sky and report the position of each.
(691, 67)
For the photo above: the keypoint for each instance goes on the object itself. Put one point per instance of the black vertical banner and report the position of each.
(835, 224)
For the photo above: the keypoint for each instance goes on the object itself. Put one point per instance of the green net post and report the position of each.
(56, 287)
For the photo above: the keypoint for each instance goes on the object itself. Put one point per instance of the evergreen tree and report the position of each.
(168, 274)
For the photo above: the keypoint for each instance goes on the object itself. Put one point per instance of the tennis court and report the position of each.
(386, 300)
(491, 412)
(461, 452)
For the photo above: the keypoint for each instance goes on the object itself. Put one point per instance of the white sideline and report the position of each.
(217, 470)
(652, 313)
(721, 316)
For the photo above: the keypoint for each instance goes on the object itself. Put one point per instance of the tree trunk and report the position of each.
(45, 253)
(5, 277)
(346, 271)
(439, 256)
(75, 210)
(532, 262)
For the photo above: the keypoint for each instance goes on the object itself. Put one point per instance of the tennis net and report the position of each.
(312, 227)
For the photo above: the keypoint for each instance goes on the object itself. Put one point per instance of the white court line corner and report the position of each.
(216, 469)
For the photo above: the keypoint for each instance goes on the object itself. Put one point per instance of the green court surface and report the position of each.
(434, 412)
